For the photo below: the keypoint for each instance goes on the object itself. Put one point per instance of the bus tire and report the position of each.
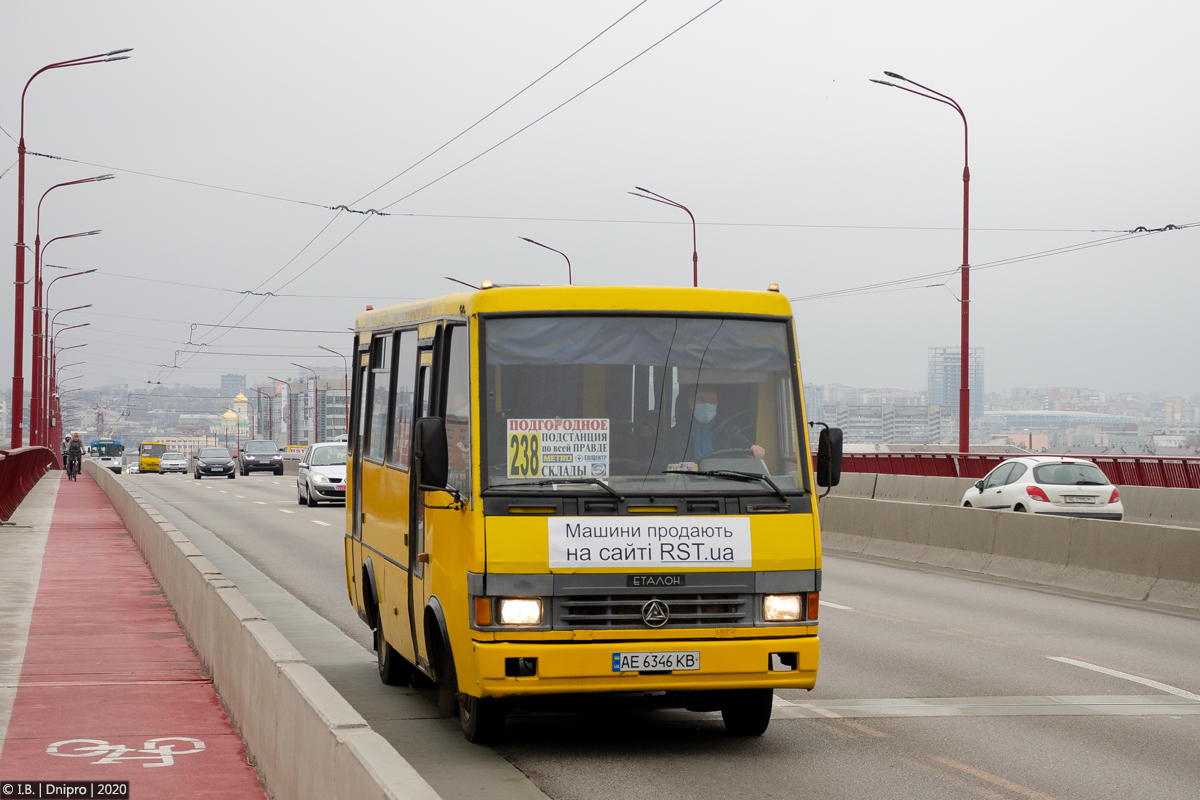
(393, 669)
(482, 718)
(747, 712)
(447, 682)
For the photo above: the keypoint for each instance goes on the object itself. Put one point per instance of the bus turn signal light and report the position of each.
(814, 605)
(483, 611)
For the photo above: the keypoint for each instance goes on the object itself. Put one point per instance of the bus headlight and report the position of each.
(520, 611)
(781, 607)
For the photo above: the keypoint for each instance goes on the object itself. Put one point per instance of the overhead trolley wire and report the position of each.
(899, 283)
(570, 99)
(473, 125)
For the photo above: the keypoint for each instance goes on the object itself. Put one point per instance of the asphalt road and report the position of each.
(933, 684)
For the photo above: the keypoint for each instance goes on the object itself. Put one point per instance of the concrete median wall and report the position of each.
(1148, 504)
(1136, 561)
(307, 741)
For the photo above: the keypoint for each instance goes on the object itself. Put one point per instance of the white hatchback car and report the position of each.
(1055, 485)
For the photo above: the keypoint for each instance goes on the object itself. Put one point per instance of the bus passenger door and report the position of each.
(354, 542)
(419, 573)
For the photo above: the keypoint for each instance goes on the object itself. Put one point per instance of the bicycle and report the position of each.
(72, 468)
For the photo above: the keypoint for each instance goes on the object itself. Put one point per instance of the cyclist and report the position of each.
(75, 453)
(66, 444)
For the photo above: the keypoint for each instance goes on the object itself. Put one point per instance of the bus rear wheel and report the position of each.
(482, 718)
(747, 712)
(393, 669)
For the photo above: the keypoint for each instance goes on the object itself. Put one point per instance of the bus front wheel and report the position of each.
(482, 718)
(747, 712)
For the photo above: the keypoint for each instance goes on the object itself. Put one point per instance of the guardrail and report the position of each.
(1170, 472)
(20, 470)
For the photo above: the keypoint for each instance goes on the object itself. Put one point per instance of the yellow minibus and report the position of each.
(581, 490)
(149, 454)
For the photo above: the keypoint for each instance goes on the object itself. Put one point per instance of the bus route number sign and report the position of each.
(558, 448)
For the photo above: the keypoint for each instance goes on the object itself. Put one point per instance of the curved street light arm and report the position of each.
(658, 198)
(570, 281)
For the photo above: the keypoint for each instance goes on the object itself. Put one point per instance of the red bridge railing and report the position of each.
(1175, 472)
(20, 470)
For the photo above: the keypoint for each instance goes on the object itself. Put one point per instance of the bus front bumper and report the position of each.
(571, 667)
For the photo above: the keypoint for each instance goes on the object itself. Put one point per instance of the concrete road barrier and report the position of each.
(1135, 561)
(1149, 504)
(307, 741)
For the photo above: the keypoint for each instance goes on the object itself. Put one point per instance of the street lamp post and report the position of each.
(52, 372)
(270, 413)
(43, 387)
(346, 380)
(18, 381)
(964, 390)
(314, 410)
(658, 198)
(35, 398)
(287, 404)
(38, 396)
(539, 244)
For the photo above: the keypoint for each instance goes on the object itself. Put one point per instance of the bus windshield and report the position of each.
(153, 450)
(656, 403)
(107, 449)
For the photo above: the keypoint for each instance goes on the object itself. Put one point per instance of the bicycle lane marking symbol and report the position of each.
(163, 750)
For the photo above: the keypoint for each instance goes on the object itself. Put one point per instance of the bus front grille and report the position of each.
(625, 611)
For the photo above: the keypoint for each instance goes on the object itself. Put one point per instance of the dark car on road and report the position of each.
(215, 461)
(260, 455)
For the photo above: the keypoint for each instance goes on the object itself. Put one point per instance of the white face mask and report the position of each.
(705, 412)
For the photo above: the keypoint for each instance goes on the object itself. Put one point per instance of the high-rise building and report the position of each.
(814, 402)
(945, 378)
(232, 385)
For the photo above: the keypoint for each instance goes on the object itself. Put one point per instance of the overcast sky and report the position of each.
(757, 115)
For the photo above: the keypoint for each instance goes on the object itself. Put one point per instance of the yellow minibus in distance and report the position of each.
(149, 454)
(583, 490)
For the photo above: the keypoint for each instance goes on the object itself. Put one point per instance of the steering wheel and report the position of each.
(744, 452)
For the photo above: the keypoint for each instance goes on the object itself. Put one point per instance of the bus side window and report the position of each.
(458, 408)
(406, 375)
(377, 433)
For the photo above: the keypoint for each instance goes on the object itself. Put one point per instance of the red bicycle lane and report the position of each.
(110, 688)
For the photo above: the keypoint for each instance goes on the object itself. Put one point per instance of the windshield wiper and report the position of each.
(552, 481)
(1088, 483)
(732, 473)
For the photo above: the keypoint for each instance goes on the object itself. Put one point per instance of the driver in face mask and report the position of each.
(704, 412)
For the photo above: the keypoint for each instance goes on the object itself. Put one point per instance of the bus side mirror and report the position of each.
(829, 457)
(433, 461)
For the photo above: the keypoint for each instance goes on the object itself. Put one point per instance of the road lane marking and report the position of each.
(835, 605)
(260, 502)
(1024, 791)
(222, 491)
(240, 496)
(326, 524)
(776, 700)
(1033, 706)
(1162, 687)
(953, 779)
(824, 712)
(284, 510)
